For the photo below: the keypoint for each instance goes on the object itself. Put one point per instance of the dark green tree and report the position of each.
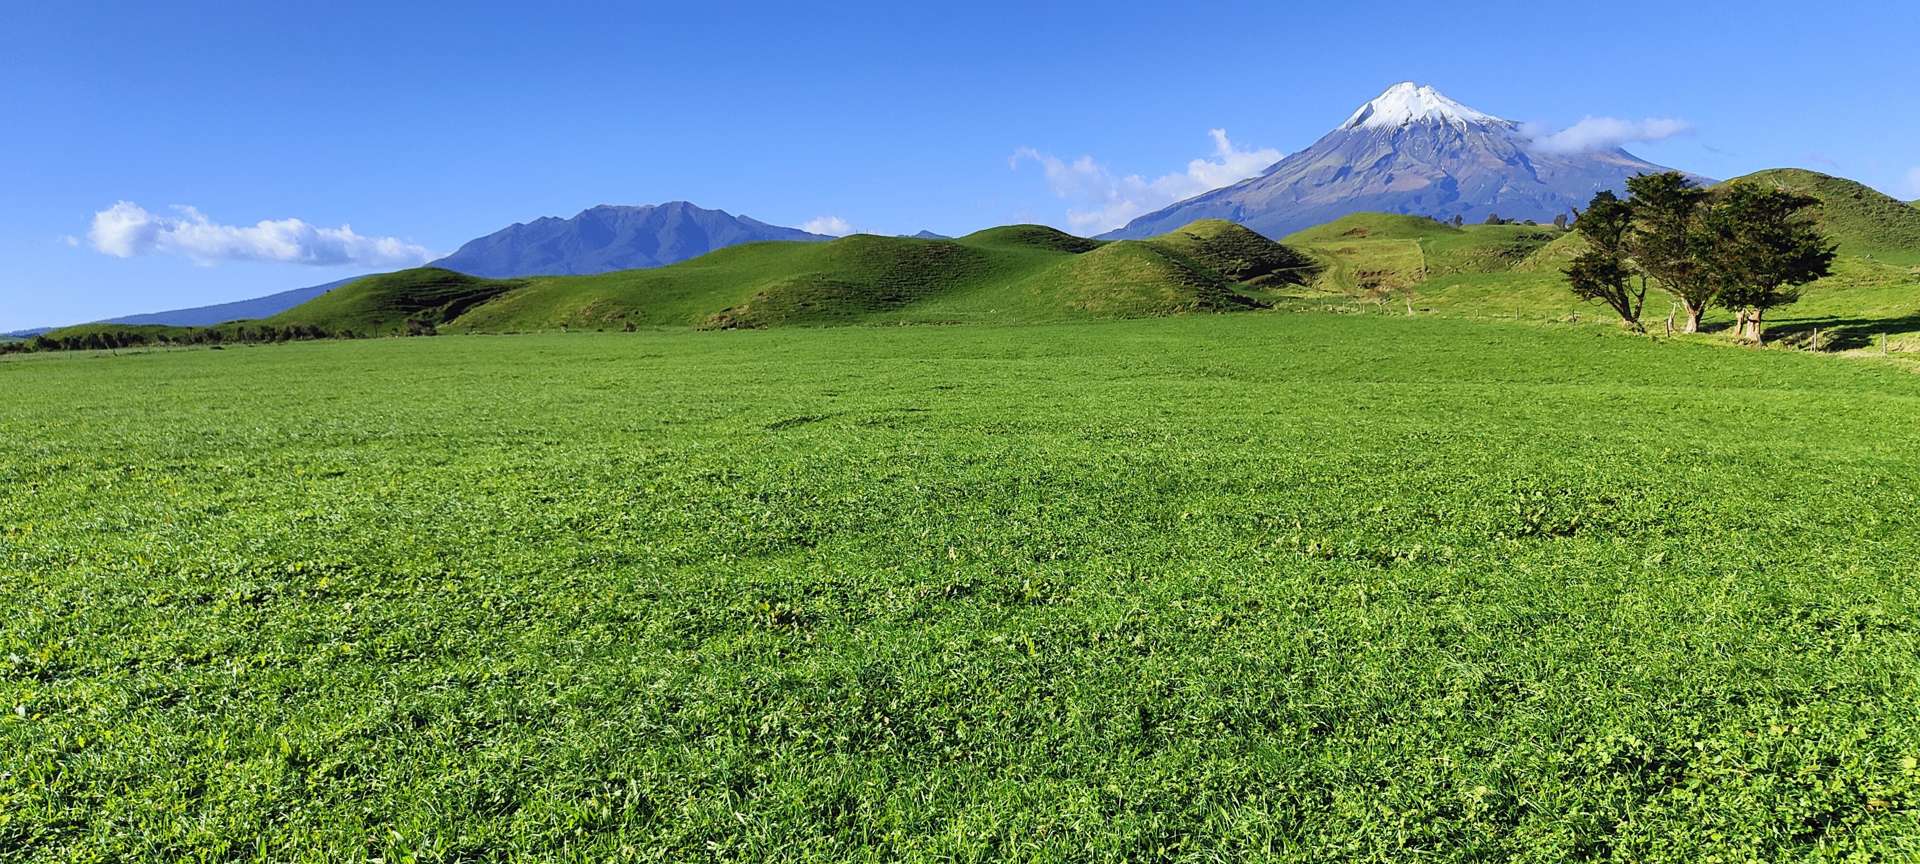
(1669, 242)
(1763, 248)
(1605, 271)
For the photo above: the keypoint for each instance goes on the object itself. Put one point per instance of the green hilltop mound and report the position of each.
(1239, 253)
(1132, 279)
(852, 278)
(1863, 221)
(1038, 237)
(384, 304)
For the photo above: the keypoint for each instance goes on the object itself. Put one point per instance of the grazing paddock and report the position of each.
(1272, 587)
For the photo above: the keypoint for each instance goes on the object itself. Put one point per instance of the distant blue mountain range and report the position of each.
(258, 307)
(608, 238)
(598, 240)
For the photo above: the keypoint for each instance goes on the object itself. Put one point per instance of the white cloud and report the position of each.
(1100, 201)
(1913, 182)
(832, 226)
(71, 241)
(1604, 133)
(126, 229)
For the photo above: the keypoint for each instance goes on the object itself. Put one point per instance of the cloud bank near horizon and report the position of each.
(1604, 133)
(831, 226)
(127, 230)
(1100, 200)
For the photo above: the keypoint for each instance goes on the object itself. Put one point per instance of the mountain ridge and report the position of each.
(237, 310)
(1411, 151)
(610, 237)
(684, 230)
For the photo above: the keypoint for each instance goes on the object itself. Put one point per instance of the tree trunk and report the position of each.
(1693, 318)
(1751, 328)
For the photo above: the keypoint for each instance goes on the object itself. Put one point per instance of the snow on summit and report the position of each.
(1406, 103)
(1413, 151)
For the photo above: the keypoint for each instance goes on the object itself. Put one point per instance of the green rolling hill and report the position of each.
(1372, 254)
(383, 304)
(1031, 273)
(1554, 257)
(1513, 271)
(1866, 223)
(1013, 273)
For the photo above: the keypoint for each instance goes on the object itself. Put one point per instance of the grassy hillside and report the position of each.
(117, 336)
(1554, 257)
(1035, 274)
(1009, 274)
(1029, 238)
(1290, 588)
(384, 304)
(1374, 226)
(1865, 222)
(1383, 261)
(1239, 254)
(149, 331)
(1376, 254)
(1130, 279)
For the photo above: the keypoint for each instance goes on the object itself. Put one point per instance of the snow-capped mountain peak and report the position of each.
(1412, 151)
(1407, 103)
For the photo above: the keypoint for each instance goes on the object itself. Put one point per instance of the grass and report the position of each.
(151, 331)
(1034, 274)
(1372, 255)
(382, 305)
(1380, 261)
(1866, 223)
(1249, 587)
(1020, 273)
(1238, 253)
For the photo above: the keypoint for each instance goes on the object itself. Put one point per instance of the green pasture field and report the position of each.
(1247, 587)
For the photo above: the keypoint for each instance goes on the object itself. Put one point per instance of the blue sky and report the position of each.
(422, 127)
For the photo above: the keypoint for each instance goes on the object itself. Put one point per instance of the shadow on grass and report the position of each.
(1842, 334)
